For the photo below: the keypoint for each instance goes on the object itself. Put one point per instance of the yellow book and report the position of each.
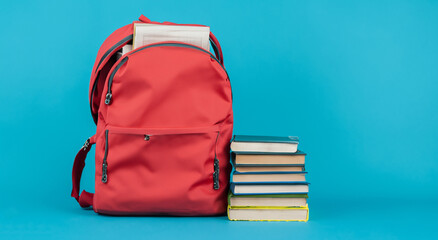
(239, 213)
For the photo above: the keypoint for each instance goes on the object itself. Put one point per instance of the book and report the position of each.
(125, 49)
(262, 168)
(268, 200)
(268, 213)
(268, 159)
(260, 177)
(246, 143)
(148, 33)
(269, 188)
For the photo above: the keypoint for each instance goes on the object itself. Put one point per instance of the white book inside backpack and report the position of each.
(148, 33)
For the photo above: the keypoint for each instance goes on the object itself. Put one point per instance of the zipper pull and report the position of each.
(216, 174)
(104, 173)
(147, 137)
(216, 166)
(108, 98)
(86, 145)
(104, 162)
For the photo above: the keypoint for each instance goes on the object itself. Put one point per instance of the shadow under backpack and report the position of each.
(164, 122)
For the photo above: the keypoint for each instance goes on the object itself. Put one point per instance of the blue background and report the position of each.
(357, 81)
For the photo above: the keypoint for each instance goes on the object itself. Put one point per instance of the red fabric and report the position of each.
(219, 53)
(100, 78)
(169, 120)
(144, 19)
(103, 64)
(86, 198)
(114, 38)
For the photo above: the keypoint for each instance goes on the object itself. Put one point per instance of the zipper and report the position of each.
(163, 131)
(216, 166)
(118, 44)
(215, 49)
(109, 94)
(104, 56)
(105, 163)
(148, 133)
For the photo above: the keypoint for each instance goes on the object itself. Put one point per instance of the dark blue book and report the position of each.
(264, 144)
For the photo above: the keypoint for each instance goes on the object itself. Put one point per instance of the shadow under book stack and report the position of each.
(268, 181)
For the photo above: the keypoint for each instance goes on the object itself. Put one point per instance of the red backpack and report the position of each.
(164, 123)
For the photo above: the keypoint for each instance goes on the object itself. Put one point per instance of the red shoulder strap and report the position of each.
(85, 199)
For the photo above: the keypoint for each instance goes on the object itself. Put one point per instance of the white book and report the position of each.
(148, 33)
(269, 189)
(127, 48)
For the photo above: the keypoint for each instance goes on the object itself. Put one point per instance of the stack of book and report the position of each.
(268, 182)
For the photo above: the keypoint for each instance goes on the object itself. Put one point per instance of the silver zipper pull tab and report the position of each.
(216, 174)
(108, 97)
(216, 167)
(104, 173)
(86, 145)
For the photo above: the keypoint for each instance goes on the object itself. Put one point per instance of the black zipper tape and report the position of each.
(216, 185)
(105, 163)
(121, 42)
(108, 96)
(104, 56)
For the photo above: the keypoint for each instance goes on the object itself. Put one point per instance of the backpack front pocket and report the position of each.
(152, 171)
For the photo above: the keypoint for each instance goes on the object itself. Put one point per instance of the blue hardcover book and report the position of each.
(269, 188)
(266, 144)
(267, 177)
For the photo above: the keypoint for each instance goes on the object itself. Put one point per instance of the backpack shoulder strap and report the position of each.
(85, 199)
